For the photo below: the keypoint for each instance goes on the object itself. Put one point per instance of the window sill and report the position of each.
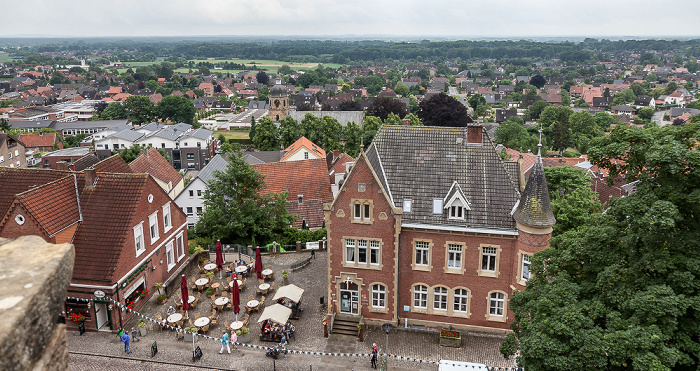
(419, 310)
(454, 270)
(522, 282)
(495, 318)
(360, 221)
(424, 268)
(487, 274)
(461, 314)
(140, 252)
(171, 267)
(362, 266)
(379, 310)
(439, 312)
(167, 229)
(180, 257)
(154, 240)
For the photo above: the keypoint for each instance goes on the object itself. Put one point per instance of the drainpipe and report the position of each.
(119, 312)
(398, 291)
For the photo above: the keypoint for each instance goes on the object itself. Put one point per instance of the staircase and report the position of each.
(345, 325)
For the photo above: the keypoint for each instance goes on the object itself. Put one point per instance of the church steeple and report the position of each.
(534, 209)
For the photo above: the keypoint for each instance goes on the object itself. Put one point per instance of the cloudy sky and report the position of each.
(457, 18)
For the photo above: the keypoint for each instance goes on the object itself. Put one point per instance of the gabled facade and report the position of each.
(12, 152)
(430, 228)
(303, 149)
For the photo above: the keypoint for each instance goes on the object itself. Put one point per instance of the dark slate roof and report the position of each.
(422, 163)
(262, 157)
(534, 208)
(217, 163)
(85, 162)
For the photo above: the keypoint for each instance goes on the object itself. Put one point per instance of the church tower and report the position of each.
(279, 103)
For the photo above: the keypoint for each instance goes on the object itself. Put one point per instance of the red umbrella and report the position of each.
(219, 256)
(235, 296)
(258, 263)
(185, 294)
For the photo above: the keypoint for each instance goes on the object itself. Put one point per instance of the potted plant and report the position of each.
(77, 317)
(189, 333)
(142, 327)
(243, 335)
(284, 277)
(361, 328)
(450, 338)
(210, 291)
(210, 275)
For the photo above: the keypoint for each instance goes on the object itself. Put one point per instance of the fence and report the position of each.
(301, 264)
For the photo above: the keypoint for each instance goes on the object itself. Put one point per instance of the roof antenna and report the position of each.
(539, 145)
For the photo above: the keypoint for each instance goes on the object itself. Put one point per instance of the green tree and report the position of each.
(646, 113)
(671, 87)
(5, 125)
(152, 85)
(131, 153)
(290, 131)
(475, 100)
(620, 292)
(352, 134)
(266, 135)
(139, 109)
(330, 136)
(537, 108)
(557, 119)
(401, 89)
(237, 209)
(512, 134)
(312, 128)
(251, 132)
(413, 119)
(114, 111)
(382, 107)
(176, 109)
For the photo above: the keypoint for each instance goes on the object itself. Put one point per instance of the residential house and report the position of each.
(623, 109)
(643, 101)
(126, 235)
(66, 155)
(303, 149)
(154, 164)
(40, 142)
(191, 199)
(432, 226)
(602, 102)
(12, 152)
(339, 165)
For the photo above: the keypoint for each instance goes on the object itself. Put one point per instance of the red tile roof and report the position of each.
(308, 178)
(114, 90)
(54, 205)
(309, 210)
(38, 139)
(303, 143)
(16, 180)
(153, 163)
(113, 164)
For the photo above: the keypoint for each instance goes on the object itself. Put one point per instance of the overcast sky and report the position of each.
(458, 18)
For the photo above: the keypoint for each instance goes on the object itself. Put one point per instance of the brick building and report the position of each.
(127, 233)
(432, 228)
(12, 152)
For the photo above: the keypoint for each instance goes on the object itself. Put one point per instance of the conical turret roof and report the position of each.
(534, 208)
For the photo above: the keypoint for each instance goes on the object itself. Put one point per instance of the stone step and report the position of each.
(345, 331)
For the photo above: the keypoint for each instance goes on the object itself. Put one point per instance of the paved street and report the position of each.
(480, 348)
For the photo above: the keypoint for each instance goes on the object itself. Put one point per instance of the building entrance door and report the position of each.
(349, 298)
(101, 315)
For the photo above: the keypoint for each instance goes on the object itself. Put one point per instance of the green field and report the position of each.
(269, 65)
(233, 134)
(5, 58)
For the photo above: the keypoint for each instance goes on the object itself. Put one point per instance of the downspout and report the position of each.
(119, 312)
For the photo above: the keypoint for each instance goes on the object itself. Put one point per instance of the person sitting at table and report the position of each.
(241, 262)
(171, 311)
(266, 328)
(293, 306)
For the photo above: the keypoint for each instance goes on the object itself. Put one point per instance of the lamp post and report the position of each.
(387, 327)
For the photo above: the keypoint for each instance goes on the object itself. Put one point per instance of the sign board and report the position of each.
(406, 308)
(99, 294)
(81, 328)
(198, 353)
(312, 245)
(154, 349)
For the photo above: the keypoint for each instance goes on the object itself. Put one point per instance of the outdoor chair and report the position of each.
(205, 329)
(250, 297)
(227, 326)
(269, 267)
(190, 322)
(272, 287)
(197, 316)
(229, 305)
(214, 320)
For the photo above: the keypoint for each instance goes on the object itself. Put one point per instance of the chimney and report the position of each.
(61, 165)
(90, 177)
(336, 154)
(474, 135)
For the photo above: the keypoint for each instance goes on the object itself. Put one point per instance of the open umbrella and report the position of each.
(258, 263)
(235, 296)
(185, 294)
(219, 257)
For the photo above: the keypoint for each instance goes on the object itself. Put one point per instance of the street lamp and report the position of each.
(387, 327)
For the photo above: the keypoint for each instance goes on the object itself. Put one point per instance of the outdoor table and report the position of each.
(190, 299)
(201, 321)
(240, 283)
(241, 269)
(201, 282)
(237, 325)
(264, 287)
(174, 318)
(215, 286)
(210, 267)
(221, 301)
(267, 272)
(252, 304)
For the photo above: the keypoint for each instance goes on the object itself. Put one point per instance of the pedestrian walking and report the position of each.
(224, 343)
(234, 339)
(126, 340)
(373, 356)
(133, 335)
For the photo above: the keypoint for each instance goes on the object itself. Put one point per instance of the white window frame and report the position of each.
(357, 211)
(180, 243)
(420, 297)
(350, 246)
(454, 251)
(460, 300)
(374, 250)
(497, 303)
(153, 227)
(424, 250)
(440, 296)
(167, 218)
(170, 255)
(362, 247)
(139, 240)
(189, 210)
(379, 296)
(492, 254)
(406, 206)
(525, 261)
(437, 206)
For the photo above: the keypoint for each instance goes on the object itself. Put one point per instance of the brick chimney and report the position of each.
(62, 165)
(90, 177)
(474, 135)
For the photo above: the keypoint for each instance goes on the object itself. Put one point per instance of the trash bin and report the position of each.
(321, 300)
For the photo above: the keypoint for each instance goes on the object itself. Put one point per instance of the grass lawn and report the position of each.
(5, 58)
(233, 134)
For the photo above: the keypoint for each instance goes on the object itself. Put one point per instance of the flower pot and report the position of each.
(285, 281)
(188, 337)
(142, 331)
(454, 342)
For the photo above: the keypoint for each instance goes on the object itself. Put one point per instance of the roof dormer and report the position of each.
(456, 203)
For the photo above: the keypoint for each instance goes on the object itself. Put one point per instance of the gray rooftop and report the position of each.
(217, 163)
(127, 134)
(262, 157)
(427, 163)
(153, 126)
(74, 151)
(534, 208)
(23, 124)
(200, 133)
(88, 124)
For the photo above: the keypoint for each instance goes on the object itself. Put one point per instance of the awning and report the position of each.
(292, 292)
(276, 313)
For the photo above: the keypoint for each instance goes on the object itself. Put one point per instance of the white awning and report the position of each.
(276, 313)
(292, 292)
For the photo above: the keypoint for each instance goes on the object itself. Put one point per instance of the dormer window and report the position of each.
(457, 210)
(456, 203)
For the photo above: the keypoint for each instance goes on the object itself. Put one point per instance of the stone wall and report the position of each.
(34, 276)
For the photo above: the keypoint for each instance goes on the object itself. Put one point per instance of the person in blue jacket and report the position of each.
(126, 339)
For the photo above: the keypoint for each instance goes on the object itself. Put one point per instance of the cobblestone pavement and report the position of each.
(479, 348)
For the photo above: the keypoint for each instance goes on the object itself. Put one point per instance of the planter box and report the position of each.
(451, 342)
(142, 331)
(188, 337)
(244, 338)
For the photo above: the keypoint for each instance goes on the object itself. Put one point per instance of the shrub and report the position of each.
(571, 154)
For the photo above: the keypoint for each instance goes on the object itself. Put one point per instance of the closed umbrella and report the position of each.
(219, 257)
(185, 294)
(235, 296)
(258, 263)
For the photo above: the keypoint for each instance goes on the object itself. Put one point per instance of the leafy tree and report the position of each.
(382, 107)
(73, 140)
(476, 100)
(352, 134)
(557, 119)
(114, 111)
(443, 110)
(76, 69)
(330, 136)
(620, 292)
(5, 125)
(371, 123)
(176, 109)
(285, 70)
(289, 130)
(131, 153)
(401, 89)
(266, 135)
(573, 202)
(646, 113)
(671, 87)
(512, 134)
(152, 85)
(251, 132)
(581, 103)
(413, 120)
(531, 96)
(538, 81)
(349, 106)
(312, 128)
(537, 108)
(139, 109)
(237, 208)
(393, 119)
